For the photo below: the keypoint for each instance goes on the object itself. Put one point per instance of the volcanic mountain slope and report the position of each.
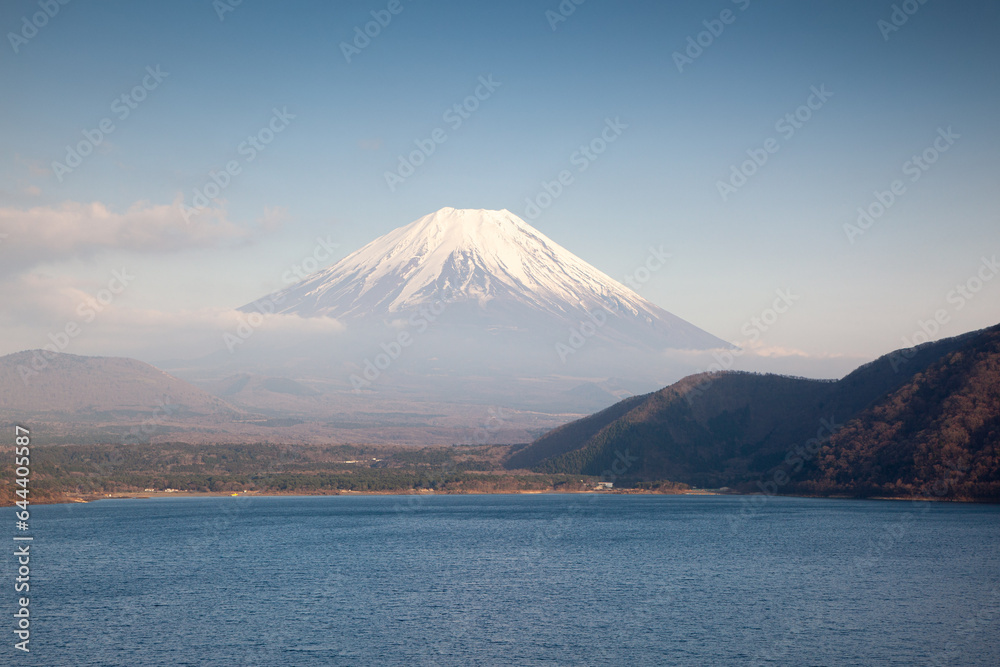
(490, 270)
(39, 383)
(896, 426)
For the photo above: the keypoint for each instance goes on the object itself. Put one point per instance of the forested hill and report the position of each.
(924, 421)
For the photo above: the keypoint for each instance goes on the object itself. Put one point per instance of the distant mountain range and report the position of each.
(71, 399)
(40, 383)
(66, 398)
(923, 422)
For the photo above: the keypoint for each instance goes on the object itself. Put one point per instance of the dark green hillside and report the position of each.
(707, 430)
(894, 426)
(566, 438)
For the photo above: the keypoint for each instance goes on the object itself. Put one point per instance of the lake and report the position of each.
(512, 579)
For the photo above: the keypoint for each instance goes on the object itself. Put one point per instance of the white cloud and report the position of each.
(46, 308)
(756, 356)
(74, 229)
(194, 333)
(758, 348)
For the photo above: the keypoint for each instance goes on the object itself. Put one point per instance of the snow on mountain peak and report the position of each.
(465, 229)
(491, 259)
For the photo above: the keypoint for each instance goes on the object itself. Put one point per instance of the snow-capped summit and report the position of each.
(505, 272)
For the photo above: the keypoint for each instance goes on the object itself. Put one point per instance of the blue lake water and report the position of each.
(522, 580)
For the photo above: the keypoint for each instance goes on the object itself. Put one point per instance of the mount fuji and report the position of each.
(488, 269)
(467, 306)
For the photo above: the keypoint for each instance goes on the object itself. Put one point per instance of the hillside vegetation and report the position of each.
(918, 422)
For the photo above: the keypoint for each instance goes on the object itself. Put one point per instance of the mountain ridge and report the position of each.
(34, 382)
(886, 428)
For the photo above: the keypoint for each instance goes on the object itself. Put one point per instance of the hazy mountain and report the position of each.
(475, 306)
(75, 399)
(898, 425)
(37, 382)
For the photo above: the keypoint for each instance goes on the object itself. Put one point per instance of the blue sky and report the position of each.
(323, 175)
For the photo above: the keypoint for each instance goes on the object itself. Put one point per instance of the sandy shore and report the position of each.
(411, 492)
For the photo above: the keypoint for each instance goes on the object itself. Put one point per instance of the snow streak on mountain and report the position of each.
(505, 273)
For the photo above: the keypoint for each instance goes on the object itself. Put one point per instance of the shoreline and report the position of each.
(411, 492)
(69, 500)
